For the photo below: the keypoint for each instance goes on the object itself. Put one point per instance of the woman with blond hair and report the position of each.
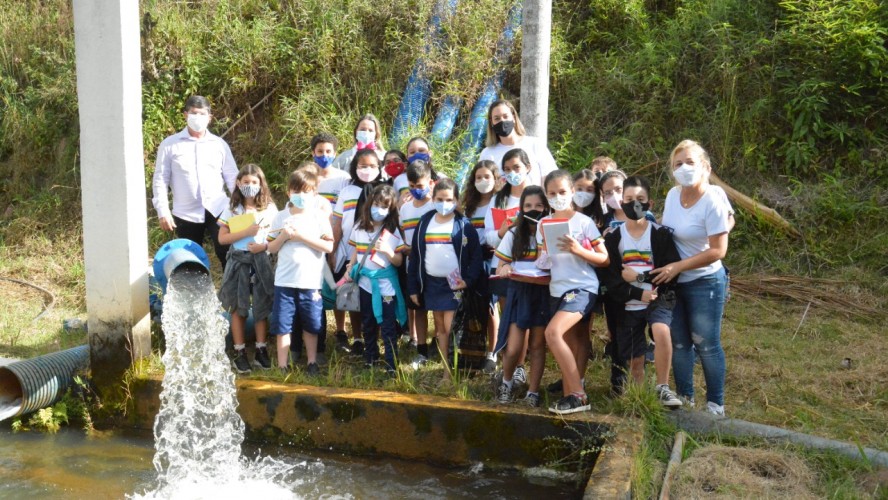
(699, 216)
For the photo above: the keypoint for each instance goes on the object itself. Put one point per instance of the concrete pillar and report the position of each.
(112, 174)
(536, 45)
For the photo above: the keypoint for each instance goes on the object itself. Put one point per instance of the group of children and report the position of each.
(415, 243)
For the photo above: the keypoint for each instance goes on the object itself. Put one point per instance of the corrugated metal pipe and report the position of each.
(32, 384)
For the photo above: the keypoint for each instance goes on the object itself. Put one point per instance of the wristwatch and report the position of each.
(640, 277)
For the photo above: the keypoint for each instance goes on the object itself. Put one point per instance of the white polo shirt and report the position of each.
(197, 171)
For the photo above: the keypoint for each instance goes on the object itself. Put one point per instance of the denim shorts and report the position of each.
(296, 306)
(574, 301)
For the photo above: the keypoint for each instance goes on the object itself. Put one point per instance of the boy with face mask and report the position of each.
(635, 248)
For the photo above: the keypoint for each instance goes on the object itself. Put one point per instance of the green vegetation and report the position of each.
(787, 96)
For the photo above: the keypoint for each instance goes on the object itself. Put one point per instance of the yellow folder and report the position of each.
(240, 222)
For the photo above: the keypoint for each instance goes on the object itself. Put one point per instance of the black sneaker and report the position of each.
(557, 386)
(342, 341)
(357, 347)
(261, 360)
(532, 400)
(313, 370)
(667, 397)
(570, 404)
(241, 363)
(488, 366)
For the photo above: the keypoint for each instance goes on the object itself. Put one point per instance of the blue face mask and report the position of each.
(514, 178)
(323, 161)
(378, 214)
(445, 207)
(419, 194)
(418, 156)
(300, 200)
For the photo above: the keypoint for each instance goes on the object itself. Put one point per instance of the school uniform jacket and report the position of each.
(466, 245)
(663, 251)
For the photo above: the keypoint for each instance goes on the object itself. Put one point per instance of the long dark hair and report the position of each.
(503, 195)
(471, 195)
(382, 193)
(524, 230)
(366, 187)
(263, 198)
(592, 210)
(598, 194)
(448, 184)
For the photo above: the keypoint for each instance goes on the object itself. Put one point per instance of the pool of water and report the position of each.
(72, 465)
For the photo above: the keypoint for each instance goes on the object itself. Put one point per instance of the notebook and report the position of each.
(500, 215)
(553, 230)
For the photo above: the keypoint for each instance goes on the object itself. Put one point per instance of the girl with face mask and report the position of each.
(383, 305)
(367, 135)
(481, 186)
(248, 252)
(445, 262)
(527, 300)
(573, 289)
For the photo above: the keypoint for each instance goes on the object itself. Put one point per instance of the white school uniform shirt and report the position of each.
(525, 265)
(540, 157)
(299, 265)
(409, 216)
(692, 227)
(401, 184)
(360, 240)
(491, 236)
(638, 256)
(329, 187)
(263, 217)
(197, 171)
(344, 211)
(570, 272)
(440, 257)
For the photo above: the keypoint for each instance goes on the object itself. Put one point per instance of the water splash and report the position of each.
(198, 433)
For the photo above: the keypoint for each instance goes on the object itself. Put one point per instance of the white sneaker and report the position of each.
(504, 394)
(667, 397)
(717, 410)
(520, 376)
(689, 402)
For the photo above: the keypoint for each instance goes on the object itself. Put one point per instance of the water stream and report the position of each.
(198, 433)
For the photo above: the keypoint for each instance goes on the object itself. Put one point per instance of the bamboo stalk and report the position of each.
(674, 462)
(769, 214)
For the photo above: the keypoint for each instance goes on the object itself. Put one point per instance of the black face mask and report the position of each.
(598, 175)
(504, 128)
(635, 210)
(534, 215)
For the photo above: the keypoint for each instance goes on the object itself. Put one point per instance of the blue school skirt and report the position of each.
(438, 296)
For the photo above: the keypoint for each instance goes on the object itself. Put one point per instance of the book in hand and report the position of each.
(238, 223)
(386, 238)
(500, 215)
(544, 279)
(553, 230)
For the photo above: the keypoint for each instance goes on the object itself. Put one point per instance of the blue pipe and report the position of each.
(477, 130)
(419, 87)
(179, 253)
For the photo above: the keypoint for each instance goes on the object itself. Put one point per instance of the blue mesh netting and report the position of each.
(419, 87)
(447, 115)
(477, 129)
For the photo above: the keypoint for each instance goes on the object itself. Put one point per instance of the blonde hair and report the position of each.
(693, 147)
(605, 162)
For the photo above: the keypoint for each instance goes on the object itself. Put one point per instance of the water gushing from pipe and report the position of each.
(198, 433)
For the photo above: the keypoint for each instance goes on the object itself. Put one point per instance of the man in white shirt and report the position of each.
(197, 166)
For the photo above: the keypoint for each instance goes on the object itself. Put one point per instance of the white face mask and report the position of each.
(484, 186)
(365, 136)
(367, 174)
(560, 202)
(583, 199)
(687, 175)
(198, 122)
(614, 202)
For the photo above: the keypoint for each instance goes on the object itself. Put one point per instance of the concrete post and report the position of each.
(115, 242)
(536, 45)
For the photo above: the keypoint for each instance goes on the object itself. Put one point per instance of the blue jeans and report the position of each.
(372, 329)
(696, 331)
